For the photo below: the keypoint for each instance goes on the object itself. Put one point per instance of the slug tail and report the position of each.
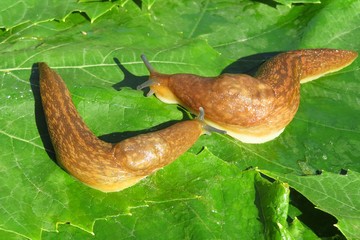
(316, 63)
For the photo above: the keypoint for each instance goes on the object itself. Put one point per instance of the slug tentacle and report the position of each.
(158, 84)
(251, 109)
(201, 115)
(147, 64)
(150, 82)
(146, 84)
(101, 165)
(207, 128)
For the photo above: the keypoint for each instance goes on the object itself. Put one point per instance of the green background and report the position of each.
(221, 188)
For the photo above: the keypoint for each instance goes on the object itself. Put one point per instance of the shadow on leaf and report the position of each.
(39, 112)
(249, 64)
(130, 80)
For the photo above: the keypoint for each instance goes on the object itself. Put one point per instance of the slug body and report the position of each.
(251, 109)
(101, 165)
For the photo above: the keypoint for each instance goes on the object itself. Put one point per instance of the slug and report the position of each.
(250, 109)
(101, 165)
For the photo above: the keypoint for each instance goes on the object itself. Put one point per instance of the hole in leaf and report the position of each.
(321, 223)
(343, 172)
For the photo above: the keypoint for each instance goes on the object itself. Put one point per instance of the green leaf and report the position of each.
(95, 47)
(34, 11)
(336, 194)
(274, 203)
(299, 231)
(290, 2)
(181, 198)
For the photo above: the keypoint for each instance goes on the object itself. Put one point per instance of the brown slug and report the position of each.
(101, 165)
(250, 109)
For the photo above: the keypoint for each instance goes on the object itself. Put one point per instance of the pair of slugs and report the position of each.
(250, 109)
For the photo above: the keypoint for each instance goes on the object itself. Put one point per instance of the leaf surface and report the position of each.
(95, 47)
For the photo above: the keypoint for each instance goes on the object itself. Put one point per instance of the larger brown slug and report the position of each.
(251, 109)
(101, 165)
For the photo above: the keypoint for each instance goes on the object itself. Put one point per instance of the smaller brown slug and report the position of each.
(101, 165)
(250, 109)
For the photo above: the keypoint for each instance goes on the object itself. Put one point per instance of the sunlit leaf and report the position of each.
(206, 194)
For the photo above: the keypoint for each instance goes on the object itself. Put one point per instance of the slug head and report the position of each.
(158, 83)
(143, 154)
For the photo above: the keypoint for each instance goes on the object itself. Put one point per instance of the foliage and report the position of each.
(220, 188)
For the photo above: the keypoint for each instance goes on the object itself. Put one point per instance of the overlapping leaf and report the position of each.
(328, 190)
(290, 2)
